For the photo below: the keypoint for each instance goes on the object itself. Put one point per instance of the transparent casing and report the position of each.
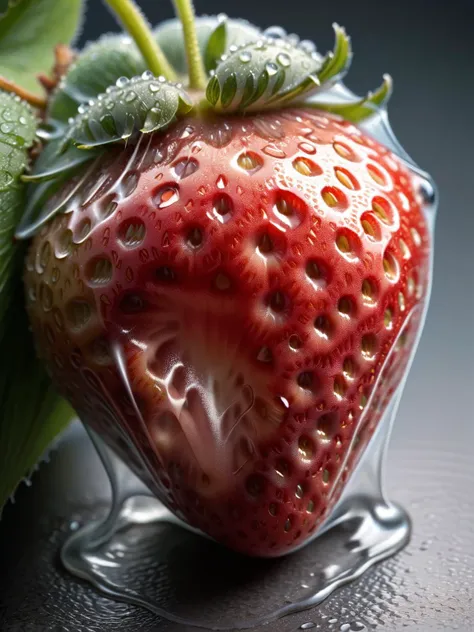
(131, 554)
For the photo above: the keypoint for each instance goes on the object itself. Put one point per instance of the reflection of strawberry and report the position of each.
(251, 276)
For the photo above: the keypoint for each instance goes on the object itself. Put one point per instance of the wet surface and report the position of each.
(427, 587)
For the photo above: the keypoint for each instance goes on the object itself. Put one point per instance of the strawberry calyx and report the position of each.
(124, 86)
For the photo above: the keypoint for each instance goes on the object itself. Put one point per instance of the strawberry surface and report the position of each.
(231, 304)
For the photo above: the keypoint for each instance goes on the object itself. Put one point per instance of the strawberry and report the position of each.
(230, 299)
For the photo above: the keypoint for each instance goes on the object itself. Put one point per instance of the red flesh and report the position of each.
(271, 262)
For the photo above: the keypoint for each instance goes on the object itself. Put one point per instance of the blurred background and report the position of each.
(428, 48)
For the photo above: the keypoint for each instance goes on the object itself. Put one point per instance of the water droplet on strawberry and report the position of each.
(129, 183)
(166, 196)
(221, 182)
(275, 152)
(308, 148)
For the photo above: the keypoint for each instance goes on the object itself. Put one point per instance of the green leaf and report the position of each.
(337, 62)
(31, 413)
(142, 104)
(42, 203)
(266, 73)
(5, 5)
(216, 46)
(97, 67)
(360, 109)
(169, 36)
(53, 163)
(17, 131)
(29, 32)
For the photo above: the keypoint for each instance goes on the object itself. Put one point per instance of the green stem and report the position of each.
(197, 74)
(135, 23)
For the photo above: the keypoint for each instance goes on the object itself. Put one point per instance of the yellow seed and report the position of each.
(390, 266)
(376, 175)
(306, 167)
(368, 228)
(340, 386)
(344, 179)
(404, 248)
(249, 161)
(284, 207)
(369, 346)
(380, 212)
(330, 199)
(345, 306)
(265, 244)
(343, 244)
(401, 302)
(343, 151)
(348, 368)
(369, 291)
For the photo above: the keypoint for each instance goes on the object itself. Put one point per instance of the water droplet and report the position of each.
(245, 56)
(130, 96)
(293, 39)
(147, 75)
(275, 152)
(221, 182)
(166, 196)
(6, 128)
(152, 119)
(249, 161)
(129, 183)
(308, 46)
(223, 207)
(99, 271)
(121, 82)
(275, 32)
(132, 232)
(307, 148)
(154, 87)
(21, 120)
(186, 167)
(188, 130)
(283, 59)
(271, 68)
(308, 626)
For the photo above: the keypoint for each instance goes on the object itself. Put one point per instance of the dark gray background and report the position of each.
(428, 48)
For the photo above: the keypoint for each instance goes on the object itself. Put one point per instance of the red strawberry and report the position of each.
(226, 296)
